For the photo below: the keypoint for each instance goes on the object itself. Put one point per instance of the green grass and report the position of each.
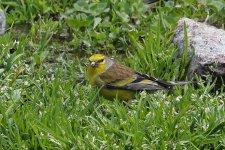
(46, 103)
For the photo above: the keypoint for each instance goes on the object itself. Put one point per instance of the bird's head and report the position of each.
(97, 60)
(99, 63)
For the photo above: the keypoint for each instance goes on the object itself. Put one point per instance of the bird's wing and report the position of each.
(122, 77)
(139, 84)
(117, 75)
(162, 83)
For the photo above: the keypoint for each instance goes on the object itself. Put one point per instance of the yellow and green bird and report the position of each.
(119, 81)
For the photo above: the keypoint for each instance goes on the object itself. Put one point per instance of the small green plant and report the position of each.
(46, 103)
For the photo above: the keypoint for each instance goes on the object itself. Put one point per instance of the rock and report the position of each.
(206, 48)
(2, 22)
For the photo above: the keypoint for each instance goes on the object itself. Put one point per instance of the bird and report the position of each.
(122, 82)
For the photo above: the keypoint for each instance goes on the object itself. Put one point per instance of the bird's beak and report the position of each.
(94, 64)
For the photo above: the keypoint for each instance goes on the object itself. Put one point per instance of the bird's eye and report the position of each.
(101, 60)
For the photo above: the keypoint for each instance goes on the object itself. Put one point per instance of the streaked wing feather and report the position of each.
(142, 87)
(121, 77)
(138, 84)
(120, 83)
(117, 73)
(138, 87)
(160, 82)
